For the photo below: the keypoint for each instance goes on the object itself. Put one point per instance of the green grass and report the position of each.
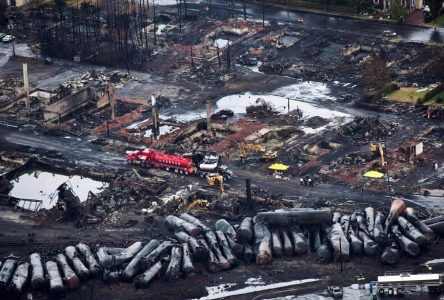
(438, 21)
(433, 99)
(406, 95)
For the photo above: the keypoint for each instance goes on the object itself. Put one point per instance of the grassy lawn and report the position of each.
(438, 21)
(433, 100)
(406, 95)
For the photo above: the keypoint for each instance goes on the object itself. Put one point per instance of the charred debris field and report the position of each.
(187, 151)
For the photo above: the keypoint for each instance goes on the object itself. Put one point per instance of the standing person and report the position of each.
(301, 181)
(310, 182)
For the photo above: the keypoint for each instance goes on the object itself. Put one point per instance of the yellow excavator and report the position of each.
(265, 154)
(378, 148)
(199, 202)
(212, 179)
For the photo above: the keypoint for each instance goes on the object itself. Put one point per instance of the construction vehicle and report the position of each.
(374, 146)
(378, 148)
(264, 154)
(212, 179)
(198, 202)
(201, 163)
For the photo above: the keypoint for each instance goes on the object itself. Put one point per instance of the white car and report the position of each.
(388, 33)
(8, 38)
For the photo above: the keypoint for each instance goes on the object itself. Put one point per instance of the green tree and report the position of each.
(3, 7)
(397, 10)
(435, 7)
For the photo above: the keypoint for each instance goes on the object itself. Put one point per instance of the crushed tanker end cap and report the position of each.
(295, 216)
(397, 208)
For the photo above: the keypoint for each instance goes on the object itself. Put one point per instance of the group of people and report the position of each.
(307, 181)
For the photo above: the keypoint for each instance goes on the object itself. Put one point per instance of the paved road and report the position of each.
(322, 22)
(76, 150)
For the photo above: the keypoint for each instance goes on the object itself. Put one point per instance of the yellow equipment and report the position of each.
(265, 154)
(374, 147)
(378, 148)
(213, 178)
(278, 167)
(374, 174)
(200, 202)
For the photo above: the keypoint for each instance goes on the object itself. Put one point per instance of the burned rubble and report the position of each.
(150, 144)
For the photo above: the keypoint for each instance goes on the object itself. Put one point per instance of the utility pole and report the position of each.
(154, 22)
(388, 181)
(249, 203)
(263, 13)
(26, 84)
(228, 56)
(288, 13)
(11, 26)
(218, 56)
(381, 152)
(112, 102)
(288, 105)
(155, 131)
(208, 116)
(340, 253)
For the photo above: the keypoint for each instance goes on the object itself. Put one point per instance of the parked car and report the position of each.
(8, 38)
(335, 291)
(388, 33)
(48, 61)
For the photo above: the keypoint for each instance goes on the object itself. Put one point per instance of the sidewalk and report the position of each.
(415, 18)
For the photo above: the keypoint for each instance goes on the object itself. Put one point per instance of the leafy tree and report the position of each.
(435, 7)
(3, 7)
(397, 10)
